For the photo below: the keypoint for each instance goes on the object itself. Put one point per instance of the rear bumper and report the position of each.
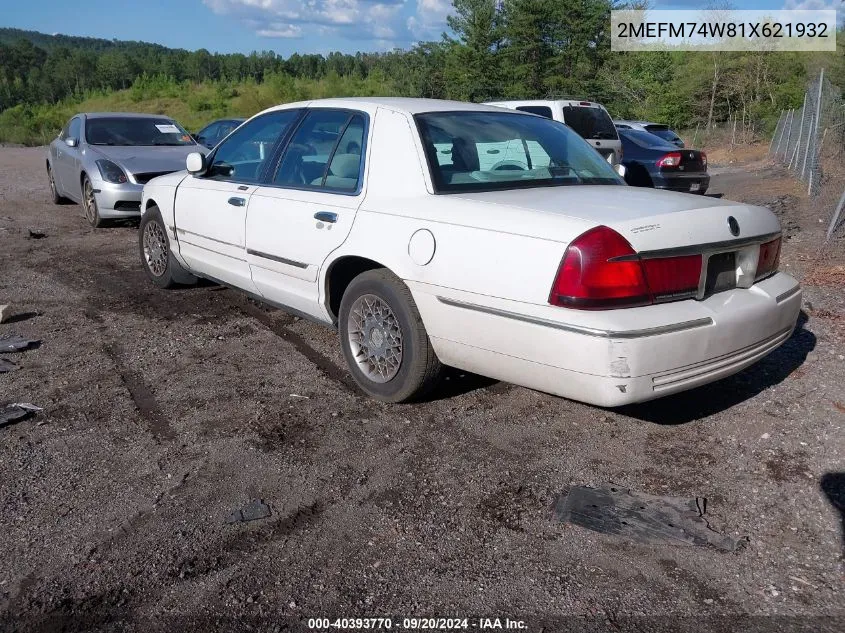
(118, 200)
(682, 182)
(614, 357)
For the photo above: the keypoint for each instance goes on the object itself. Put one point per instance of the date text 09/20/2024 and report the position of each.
(320, 624)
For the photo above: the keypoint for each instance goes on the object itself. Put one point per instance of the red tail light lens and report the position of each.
(673, 277)
(594, 275)
(704, 160)
(768, 259)
(672, 159)
(601, 270)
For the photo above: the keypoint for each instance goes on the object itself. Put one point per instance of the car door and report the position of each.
(307, 209)
(210, 210)
(68, 158)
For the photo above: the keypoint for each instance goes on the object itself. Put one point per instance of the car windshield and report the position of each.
(483, 151)
(135, 131)
(591, 122)
(645, 139)
(662, 131)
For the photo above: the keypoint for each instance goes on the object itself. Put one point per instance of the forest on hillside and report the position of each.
(495, 49)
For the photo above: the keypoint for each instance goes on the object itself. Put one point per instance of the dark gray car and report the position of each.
(103, 160)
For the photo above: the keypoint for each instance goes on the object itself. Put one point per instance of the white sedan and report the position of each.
(435, 233)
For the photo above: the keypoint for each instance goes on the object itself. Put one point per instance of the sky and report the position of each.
(283, 26)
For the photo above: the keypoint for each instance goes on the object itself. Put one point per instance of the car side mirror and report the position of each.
(71, 142)
(196, 163)
(621, 170)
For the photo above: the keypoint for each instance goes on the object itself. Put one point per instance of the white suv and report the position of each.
(590, 120)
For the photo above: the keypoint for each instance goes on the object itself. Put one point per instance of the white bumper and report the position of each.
(614, 357)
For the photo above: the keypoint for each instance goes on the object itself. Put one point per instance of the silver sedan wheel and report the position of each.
(89, 202)
(155, 248)
(375, 338)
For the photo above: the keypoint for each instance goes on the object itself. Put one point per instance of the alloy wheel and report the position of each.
(155, 248)
(375, 338)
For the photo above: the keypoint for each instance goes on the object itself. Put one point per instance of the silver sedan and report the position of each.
(103, 160)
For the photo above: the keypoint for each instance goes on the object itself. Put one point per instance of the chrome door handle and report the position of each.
(237, 202)
(326, 216)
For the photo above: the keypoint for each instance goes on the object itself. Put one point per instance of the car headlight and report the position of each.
(111, 172)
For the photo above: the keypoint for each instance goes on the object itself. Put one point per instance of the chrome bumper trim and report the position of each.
(579, 329)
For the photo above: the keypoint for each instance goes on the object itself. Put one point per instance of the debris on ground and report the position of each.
(254, 510)
(641, 517)
(7, 365)
(16, 343)
(16, 412)
(36, 235)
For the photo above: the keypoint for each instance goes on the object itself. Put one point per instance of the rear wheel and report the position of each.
(384, 340)
(157, 258)
(54, 193)
(89, 204)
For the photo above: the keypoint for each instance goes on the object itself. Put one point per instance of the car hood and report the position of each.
(648, 218)
(141, 160)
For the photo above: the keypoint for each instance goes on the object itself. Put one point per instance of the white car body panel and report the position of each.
(480, 266)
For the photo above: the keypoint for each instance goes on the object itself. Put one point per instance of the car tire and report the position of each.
(89, 203)
(156, 255)
(383, 339)
(54, 193)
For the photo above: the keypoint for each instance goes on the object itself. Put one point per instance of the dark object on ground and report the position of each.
(16, 343)
(833, 486)
(641, 517)
(7, 365)
(36, 235)
(255, 509)
(16, 412)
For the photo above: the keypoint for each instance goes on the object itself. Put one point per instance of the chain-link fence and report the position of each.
(810, 141)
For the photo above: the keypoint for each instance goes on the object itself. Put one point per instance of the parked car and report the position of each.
(435, 233)
(588, 119)
(652, 162)
(216, 131)
(103, 160)
(658, 129)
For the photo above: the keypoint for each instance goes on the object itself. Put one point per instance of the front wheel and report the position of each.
(54, 192)
(384, 340)
(89, 203)
(158, 261)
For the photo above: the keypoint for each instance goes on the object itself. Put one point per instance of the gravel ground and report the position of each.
(164, 412)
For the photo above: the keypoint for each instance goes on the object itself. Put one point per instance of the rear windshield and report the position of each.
(135, 131)
(484, 151)
(645, 139)
(663, 132)
(591, 123)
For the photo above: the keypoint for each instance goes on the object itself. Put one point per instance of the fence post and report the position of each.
(807, 149)
(694, 136)
(835, 219)
(798, 142)
(816, 130)
(791, 118)
(778, 128)
(780, 138)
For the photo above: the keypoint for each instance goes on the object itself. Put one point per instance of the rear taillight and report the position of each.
(672, 159)
(767, 260)
(704, 160)
(601, 270)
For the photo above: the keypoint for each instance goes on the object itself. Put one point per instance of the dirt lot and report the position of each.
(166, 411)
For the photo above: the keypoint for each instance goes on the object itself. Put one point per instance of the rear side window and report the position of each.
(663, 132)
(591, 123)
(545, 111)
(325, 153)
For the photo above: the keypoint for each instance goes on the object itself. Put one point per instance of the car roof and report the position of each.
(640, 122)
(545, 102)
(123, 115)
(399, 104)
